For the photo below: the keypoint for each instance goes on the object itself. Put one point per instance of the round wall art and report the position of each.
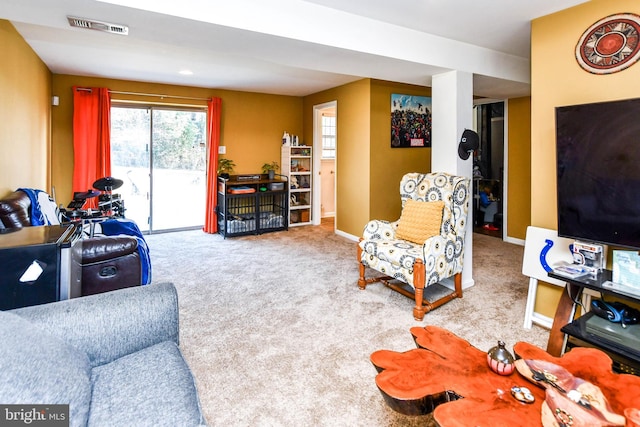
(610, 45)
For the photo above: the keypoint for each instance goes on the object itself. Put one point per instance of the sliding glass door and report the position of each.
(130, 161)
(160, 154)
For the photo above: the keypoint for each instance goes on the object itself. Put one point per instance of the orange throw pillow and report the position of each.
(420, 220)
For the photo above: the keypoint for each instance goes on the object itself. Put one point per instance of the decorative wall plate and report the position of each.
(610, 45)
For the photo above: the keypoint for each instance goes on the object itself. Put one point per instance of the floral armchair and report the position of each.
(425, 245)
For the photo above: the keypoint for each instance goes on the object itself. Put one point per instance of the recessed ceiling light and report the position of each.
(186, 72)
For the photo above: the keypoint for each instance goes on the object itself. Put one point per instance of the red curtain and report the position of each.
(213, 134)
(91, 139)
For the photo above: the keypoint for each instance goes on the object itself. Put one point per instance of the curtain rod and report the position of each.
(149, 94)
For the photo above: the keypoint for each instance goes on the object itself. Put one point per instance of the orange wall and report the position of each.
(251, 128)
(25, 104)
(556, 80)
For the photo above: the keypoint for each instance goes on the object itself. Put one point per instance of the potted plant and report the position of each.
(270, 169)
(225, 167)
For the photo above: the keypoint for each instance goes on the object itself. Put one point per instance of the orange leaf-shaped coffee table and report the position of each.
(449, 377)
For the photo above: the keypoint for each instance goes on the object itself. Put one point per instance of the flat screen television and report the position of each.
(598, 172)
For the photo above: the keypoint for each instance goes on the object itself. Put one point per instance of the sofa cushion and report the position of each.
(38, 368)
(152, 387)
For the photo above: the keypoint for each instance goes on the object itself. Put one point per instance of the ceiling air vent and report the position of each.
(92, 24)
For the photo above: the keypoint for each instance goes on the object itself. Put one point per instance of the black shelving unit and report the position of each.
(252, 204)
(626, 359)
(625, 356)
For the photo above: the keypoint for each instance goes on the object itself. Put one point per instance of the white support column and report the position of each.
(452, 105)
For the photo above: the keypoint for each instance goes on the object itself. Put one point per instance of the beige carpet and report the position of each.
(278, 334)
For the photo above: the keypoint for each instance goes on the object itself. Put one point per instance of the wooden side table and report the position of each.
(449, 377)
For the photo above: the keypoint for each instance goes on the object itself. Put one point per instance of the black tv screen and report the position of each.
(598, 172)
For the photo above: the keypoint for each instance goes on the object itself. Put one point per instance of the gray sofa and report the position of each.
(113, 357)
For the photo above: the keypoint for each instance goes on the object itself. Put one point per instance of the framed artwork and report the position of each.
(410, 121)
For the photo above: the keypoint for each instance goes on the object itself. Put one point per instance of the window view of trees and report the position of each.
(130, 137)
(179, 140)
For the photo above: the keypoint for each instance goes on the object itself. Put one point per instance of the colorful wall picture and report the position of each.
(410, 121)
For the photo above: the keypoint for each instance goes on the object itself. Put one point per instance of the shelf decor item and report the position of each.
(271, 169)
(286, 138)
(225, 167)
(626, 269)
(610, 45)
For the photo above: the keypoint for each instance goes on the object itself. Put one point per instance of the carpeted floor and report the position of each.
(278, 334)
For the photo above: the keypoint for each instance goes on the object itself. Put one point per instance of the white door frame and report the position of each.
(505, 162)
(317, 155)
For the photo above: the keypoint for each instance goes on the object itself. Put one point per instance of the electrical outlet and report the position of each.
(222, 149)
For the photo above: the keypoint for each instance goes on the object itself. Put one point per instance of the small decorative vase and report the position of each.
(286, 138)
(500, 360)
(272, 174)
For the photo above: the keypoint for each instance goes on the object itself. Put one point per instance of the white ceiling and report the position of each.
(288, 47)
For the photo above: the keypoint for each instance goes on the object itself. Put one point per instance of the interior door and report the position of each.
(328, 177)
(325, 160)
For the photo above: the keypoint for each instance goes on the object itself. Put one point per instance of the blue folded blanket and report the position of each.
(36, 214)
(114, 227)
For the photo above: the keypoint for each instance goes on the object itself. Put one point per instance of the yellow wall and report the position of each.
(388, 165)
(519, 167)
(25, 103)
(556, 80)
(369, 171)
(353, 151)
(251, 128)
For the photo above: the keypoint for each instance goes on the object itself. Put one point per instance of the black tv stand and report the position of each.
(567, 333)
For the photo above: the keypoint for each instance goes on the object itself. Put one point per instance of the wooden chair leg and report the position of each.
(457, 281)
(362, 283)
(418, 283)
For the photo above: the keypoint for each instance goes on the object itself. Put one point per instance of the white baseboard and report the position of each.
(539, 319)
(514, 240)
(347, 235)
(448, 283)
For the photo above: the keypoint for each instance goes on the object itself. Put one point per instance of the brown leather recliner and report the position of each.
(14, 210)
(108, 262)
